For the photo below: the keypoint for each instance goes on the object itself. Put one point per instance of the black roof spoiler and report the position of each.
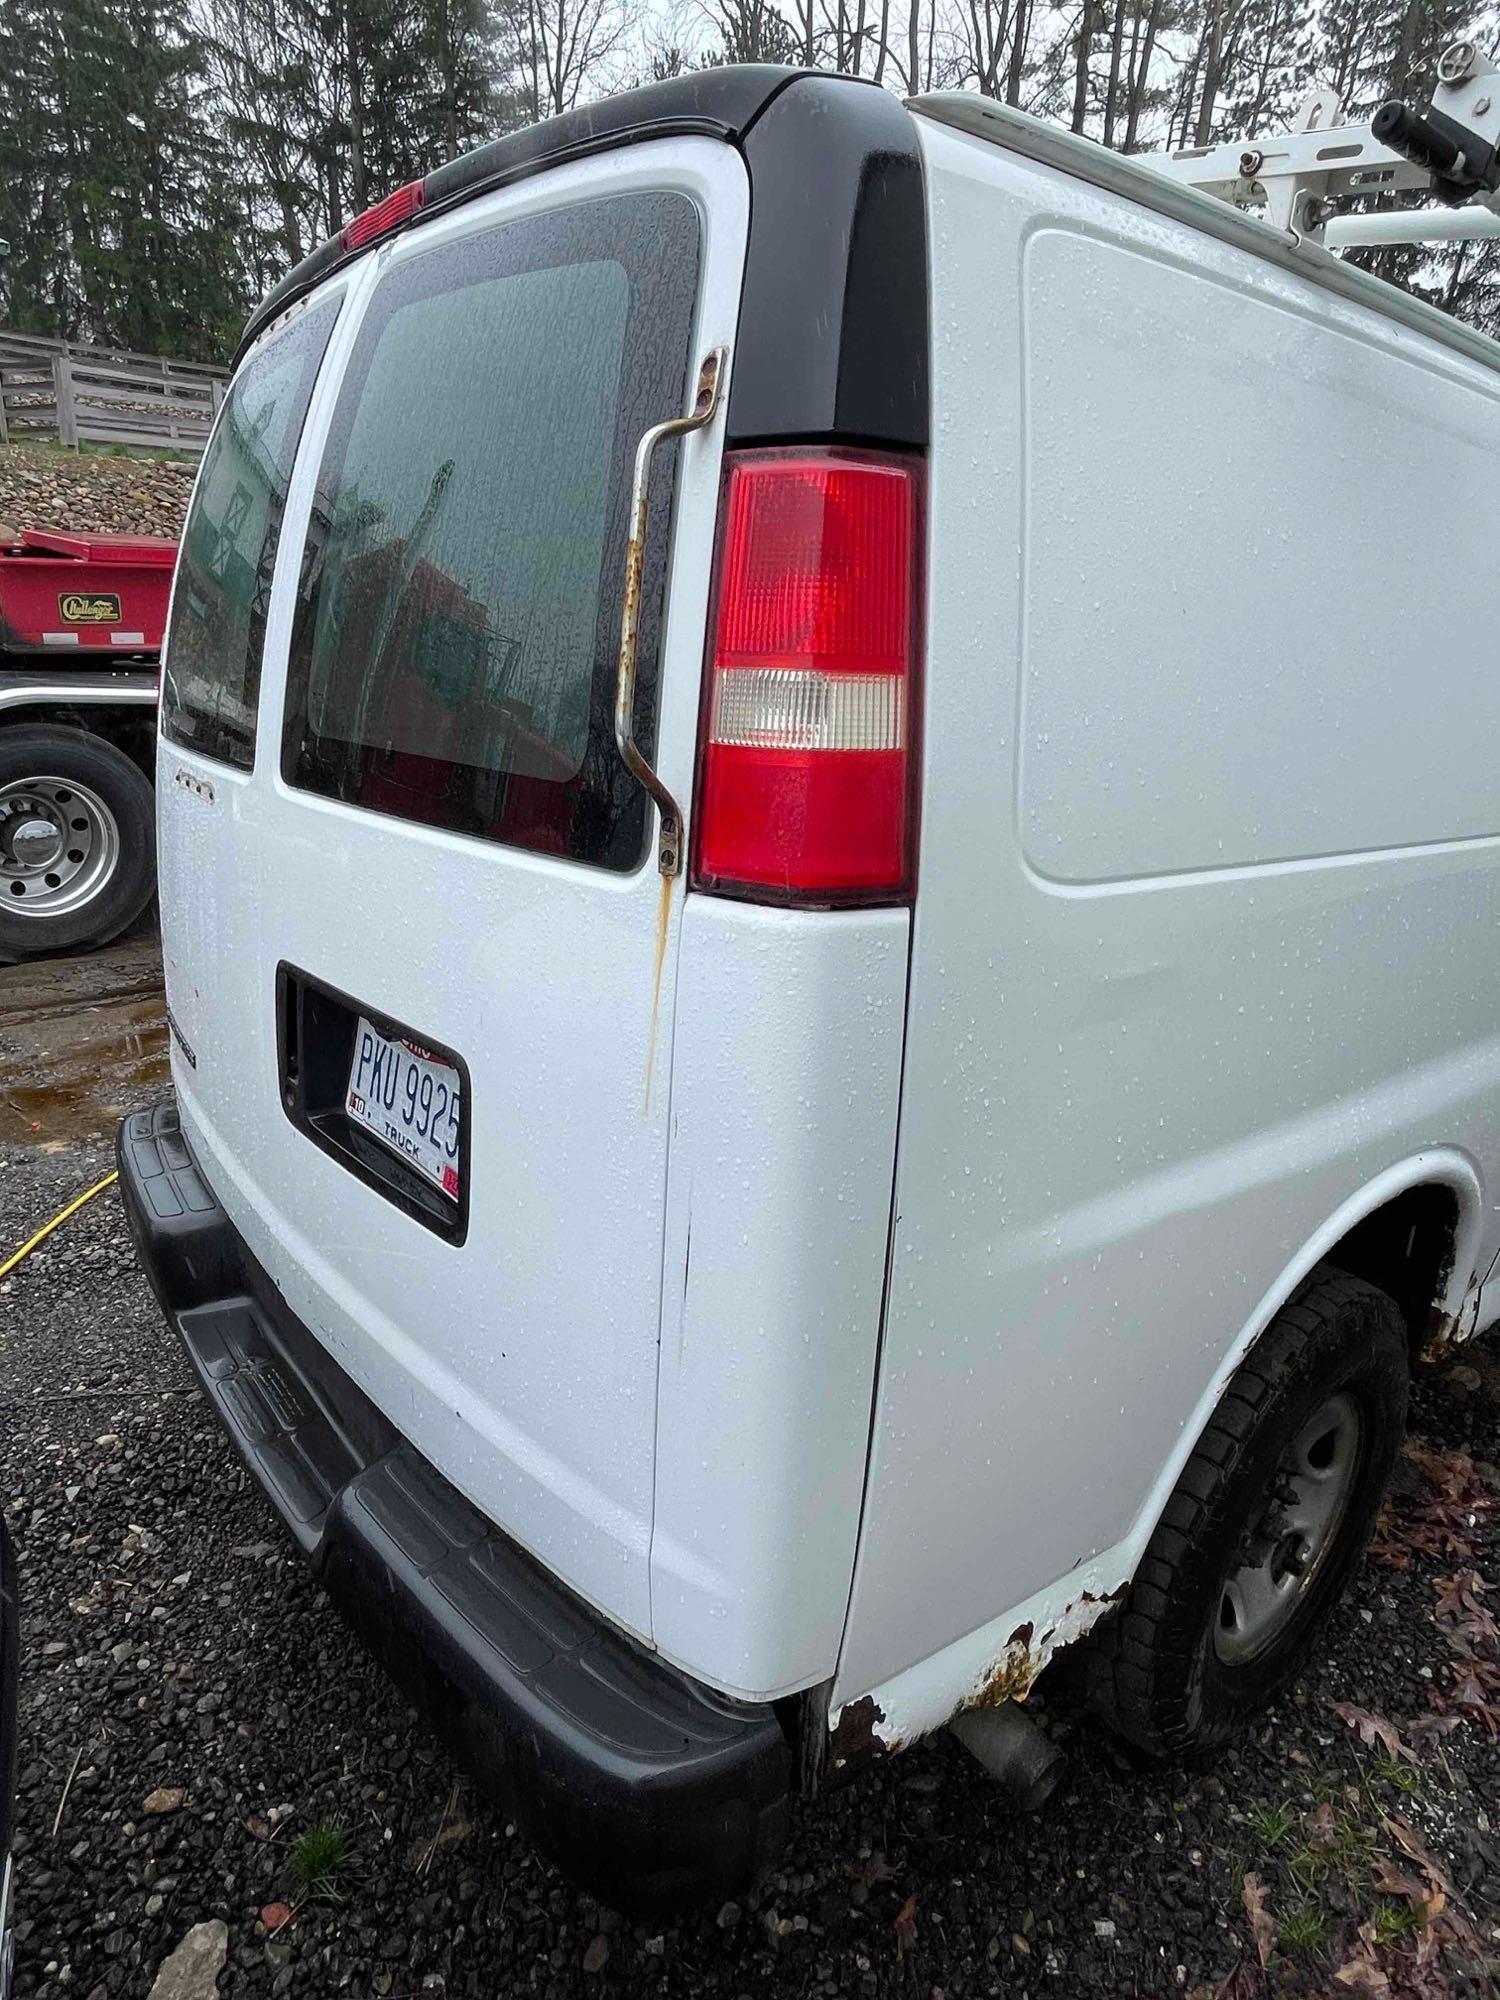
(712, 103)
(833, 334)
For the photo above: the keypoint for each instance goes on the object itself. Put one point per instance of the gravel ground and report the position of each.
(178, 1656)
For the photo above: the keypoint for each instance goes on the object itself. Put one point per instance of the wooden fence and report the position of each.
(98, 395)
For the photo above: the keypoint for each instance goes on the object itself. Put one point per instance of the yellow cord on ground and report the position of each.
(47, 1227)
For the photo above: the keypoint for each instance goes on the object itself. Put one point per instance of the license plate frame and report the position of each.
(315, 1040)
(409, 1099)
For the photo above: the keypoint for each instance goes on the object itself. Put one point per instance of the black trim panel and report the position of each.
(832, 339)
(643, 1785)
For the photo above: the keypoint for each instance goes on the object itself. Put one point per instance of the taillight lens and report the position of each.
(805, 780)
(384, 216)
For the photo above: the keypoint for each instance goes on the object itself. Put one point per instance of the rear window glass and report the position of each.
(211, 670)
(454, 655)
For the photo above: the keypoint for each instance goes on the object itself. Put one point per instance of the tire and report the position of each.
(77, 841)
(1209, 1632)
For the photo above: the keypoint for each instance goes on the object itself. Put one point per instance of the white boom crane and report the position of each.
(1451, 150)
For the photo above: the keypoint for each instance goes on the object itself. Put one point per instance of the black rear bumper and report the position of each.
(642, 1785)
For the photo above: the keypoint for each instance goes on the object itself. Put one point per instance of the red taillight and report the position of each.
(385, 215)
(805, 789)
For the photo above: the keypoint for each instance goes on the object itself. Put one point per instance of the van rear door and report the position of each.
(436, 868)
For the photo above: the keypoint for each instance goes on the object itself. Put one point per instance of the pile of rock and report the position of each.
(48, 487)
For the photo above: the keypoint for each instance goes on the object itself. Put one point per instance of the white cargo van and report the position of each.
(731, 1232)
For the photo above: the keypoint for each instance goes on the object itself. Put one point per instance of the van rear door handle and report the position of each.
(705, 403)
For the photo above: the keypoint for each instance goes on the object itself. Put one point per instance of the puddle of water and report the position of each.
(72, 1074)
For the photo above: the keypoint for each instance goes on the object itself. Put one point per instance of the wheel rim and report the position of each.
(59, 846)
(1287, 1545)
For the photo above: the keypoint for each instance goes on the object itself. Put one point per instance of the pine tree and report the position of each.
(114, 190)
(37, 281)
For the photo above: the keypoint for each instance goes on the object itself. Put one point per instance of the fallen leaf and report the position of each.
(1322, 1828)
(1393, 1881)
(1363, 1975)
(1372, 1729)
(598, 1951)
(1459, 1593)
(1471, 1629)
(1262, 1924)
(905, 1923)
(1474, 1687)
(1020, 1944)
(1385, 1549)
(1429, 1729)
(1440, 1890)
(165, 1799)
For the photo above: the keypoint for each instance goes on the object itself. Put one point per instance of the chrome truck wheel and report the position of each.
(77, 840)
(59, 845)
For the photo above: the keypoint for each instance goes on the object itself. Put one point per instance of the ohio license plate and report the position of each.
(410, 1100)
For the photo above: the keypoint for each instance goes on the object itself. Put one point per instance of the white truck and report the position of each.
(828, 897)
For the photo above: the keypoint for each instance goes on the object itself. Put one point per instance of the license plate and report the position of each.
(410, 1100)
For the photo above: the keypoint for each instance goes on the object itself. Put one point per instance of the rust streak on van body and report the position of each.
(663, 925)
(1441, 1337)
(1013, 1674)
(1016, 1671)
(913, 1706)
(1445, 1331)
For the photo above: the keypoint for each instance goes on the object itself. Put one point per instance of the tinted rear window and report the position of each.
(454, 657)
(211, 672)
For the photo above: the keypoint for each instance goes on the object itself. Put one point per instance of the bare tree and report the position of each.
(1020, 38)
(1083, 50)
(751, 31)
(567, 49)
(1143, 36)
(846, 28)
(988, 24)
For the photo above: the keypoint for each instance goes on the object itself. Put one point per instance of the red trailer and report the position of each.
(81, 624)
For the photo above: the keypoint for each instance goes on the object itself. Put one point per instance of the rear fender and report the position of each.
(1001, 1660)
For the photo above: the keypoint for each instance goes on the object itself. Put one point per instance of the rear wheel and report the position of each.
(1266, 1524)
(77, 840)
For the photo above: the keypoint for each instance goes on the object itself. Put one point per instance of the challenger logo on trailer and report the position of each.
(89, 607)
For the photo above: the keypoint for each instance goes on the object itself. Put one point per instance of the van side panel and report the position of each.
(1210, 863)
(785, 1083)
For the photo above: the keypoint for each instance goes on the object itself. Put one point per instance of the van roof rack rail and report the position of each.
(1451, 150)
